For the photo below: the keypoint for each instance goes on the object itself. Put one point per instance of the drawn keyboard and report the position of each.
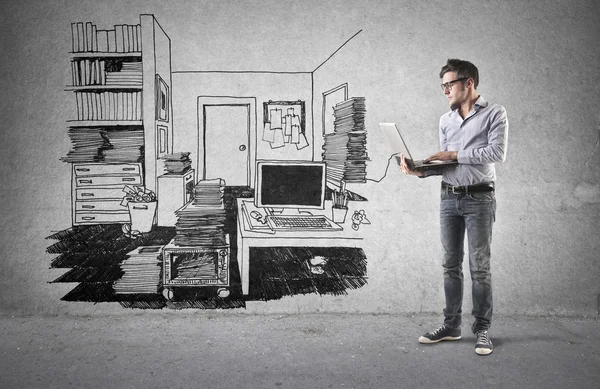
(301, 222)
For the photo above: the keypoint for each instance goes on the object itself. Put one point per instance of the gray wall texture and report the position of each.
(538, 59)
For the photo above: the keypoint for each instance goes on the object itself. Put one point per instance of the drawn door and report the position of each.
(226, 142)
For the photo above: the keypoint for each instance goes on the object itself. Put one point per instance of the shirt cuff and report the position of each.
(463, 157)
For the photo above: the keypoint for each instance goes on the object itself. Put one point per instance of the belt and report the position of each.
(484, 187)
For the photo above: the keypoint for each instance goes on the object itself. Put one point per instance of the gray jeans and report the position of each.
(474, 213)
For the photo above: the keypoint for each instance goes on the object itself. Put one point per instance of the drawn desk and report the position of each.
(247, 238)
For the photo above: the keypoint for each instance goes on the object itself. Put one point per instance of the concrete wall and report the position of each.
(537, 59)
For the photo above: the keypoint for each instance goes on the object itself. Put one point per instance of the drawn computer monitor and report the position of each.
(290, 185)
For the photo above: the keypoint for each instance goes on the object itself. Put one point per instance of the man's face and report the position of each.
(456, 93)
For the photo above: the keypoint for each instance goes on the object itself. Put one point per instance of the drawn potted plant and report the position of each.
(141, 203)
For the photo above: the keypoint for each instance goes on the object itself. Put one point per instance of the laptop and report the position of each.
(399, 146)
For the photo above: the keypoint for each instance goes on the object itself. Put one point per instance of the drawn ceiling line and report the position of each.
(339, 48)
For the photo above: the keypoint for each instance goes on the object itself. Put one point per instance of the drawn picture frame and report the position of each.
(162, 100)
(162, 141)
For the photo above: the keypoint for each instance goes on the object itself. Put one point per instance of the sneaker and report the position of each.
(443, 333)
(484, 344)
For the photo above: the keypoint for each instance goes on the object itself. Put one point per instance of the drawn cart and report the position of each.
(196, 266)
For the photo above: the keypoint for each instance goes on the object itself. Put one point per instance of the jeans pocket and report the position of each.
(485, 197)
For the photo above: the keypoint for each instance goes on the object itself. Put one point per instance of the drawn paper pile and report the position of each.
(202, 221)
(284, 129)
(177, 163)
(345, 150)
(141, 271)
(92, 145)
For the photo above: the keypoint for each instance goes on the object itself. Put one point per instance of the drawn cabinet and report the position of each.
(115, 76)
(98, 191)
(174, 191)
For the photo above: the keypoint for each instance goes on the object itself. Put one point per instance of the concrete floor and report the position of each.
(200, 349)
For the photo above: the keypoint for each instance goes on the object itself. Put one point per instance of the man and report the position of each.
(473, 133)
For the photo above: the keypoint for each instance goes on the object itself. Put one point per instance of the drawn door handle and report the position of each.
(242, 147)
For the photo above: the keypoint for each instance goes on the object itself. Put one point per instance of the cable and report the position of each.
(386, 169)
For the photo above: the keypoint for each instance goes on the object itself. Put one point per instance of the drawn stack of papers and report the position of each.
(126, 146)
(93, 145)
(345, 150)
(130, 74)
(209, 193)
(177, 163)
(202, 221)
(141, 271)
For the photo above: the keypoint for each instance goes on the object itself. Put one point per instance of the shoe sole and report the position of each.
(483, 351)
(425, 340)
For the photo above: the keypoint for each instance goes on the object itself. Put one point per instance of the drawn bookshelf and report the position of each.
(120, 80)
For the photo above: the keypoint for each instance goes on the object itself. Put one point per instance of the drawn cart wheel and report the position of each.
(168, 293)
(223, 292)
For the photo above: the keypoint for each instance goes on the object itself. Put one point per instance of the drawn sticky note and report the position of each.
(295, 135)
(302, 142)
(268, 133)
(277, 139)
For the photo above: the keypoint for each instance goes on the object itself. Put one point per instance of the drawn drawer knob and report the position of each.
(242, 147)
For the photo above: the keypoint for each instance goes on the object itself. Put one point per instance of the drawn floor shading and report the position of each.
(94, 254)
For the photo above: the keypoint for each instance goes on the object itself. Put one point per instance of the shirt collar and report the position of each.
(480, 103)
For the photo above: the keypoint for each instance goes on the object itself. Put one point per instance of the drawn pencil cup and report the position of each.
(338, 213)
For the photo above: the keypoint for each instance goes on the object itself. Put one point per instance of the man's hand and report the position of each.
(406, 170)
(443, 156)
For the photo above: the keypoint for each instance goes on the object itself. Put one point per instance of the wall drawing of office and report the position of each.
(214, 242)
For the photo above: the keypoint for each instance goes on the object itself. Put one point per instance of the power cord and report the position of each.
(386, 169)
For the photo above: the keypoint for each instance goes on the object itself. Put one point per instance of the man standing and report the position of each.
(474, 133)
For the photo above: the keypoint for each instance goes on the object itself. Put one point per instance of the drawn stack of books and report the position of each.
(109, 105)
(345, 150)
(121, 72)
(118, 72)
(87, 72)
(202, 221)
(93, 145)
(141, 271)
(177, 163)
(123, 38)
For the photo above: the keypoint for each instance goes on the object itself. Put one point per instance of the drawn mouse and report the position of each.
(258, 217)
(359, 218)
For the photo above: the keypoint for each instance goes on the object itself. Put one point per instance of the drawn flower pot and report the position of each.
(142, 215)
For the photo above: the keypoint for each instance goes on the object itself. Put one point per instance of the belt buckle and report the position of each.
(454, 190)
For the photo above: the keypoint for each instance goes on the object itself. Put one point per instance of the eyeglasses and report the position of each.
(449, 84)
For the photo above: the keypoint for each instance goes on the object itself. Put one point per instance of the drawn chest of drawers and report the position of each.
(98, 191)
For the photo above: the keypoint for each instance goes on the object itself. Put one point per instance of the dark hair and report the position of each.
(463, 69)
